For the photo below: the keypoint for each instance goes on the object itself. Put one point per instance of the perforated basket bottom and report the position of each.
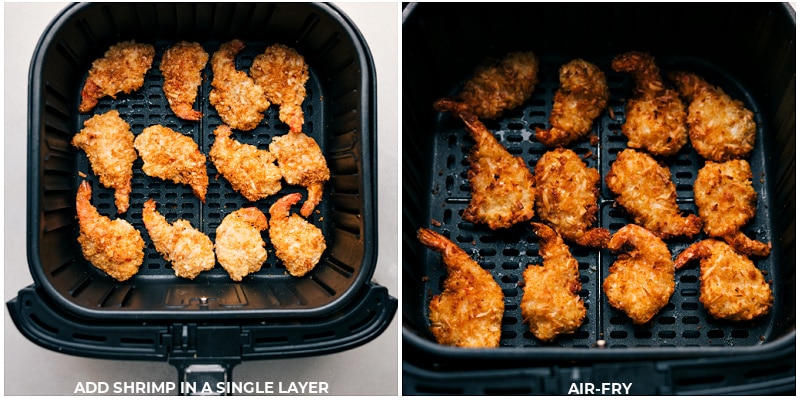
(683, 322)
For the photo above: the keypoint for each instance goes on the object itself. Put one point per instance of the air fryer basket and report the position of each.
(748, 50)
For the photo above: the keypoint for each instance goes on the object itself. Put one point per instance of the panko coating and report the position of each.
(298, 243)
(251, 171)
(121, 70)
(282, 73)
(239, 246)
(302, 163)
(236, 97)
(172, 156)
(182, 67)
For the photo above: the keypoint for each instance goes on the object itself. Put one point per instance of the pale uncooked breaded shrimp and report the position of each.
(239, 246)
(581, 98)
(298, 243)
(115, 247)
(550, 302)
(302, 163)
(108, 142)
(655, 117)
(720, 128)
(282, 73)
(169, 155)
(250, 170)
(182, 67)
(641, 280)
(731, 287)
(236, 97)
(189, 250)
(469, 312)
(121, 70)
(496, 87)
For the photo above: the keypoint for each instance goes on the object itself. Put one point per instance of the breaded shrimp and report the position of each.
(731, 287)
(172, 156)
(108, 142)
(469, 312)
(239, 246)
(655, 117)
(236, 97)
(189, 250)
(298, 243)
(250, 170)
(645, 189)
(550, 302)
(502, 185)
(115, 247)
(566, 197)
(302, 163)
(641, 281)
(583, 95)
(121, 70)
(182, 66)
(282, 74)
(720, 127)
(497, 86)
(726, 201)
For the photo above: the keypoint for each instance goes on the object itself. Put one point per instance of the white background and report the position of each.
(371, 369)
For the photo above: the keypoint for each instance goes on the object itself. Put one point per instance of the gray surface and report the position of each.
(371, 369)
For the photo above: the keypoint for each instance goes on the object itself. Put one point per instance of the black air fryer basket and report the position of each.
(76, 309)
(747, 49)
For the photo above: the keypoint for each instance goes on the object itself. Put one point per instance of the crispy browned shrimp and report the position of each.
(301, 162)
(720, 127)
(655, 117)
(725, 201)
(550, 302)
(731, 287)
(250, 170)
(182, 66)
(189, 250)
(298, 243)
(108, 142)
(469, 312)
(121, 70)
(282, 74)
(236, 97)
(641, 281)
(566, 197)
(239, 246)
(172, 156)
(495, 87)
(502, 185)
(115, 247)
(645, 189)
(583, 95)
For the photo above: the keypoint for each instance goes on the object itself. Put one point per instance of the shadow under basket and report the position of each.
(748, 50)
(75, 308)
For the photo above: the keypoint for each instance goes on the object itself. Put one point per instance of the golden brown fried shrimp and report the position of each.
(121, 70)
(250, 170)
(298, 243)
(236, 97)
(550, 302)
(182, 66)
(301, 163)
(239, 246)
(720, 128)
(731, 287)
(645, 189)
(655, 117)
(108, 142)
(189, 250)
(496, 87)
(502, 186)
(583, 95)
(566, 197)
(172, 156)
(282, 74)
(469, 312)
(641, 281)
(726, 201)
(115, 247)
